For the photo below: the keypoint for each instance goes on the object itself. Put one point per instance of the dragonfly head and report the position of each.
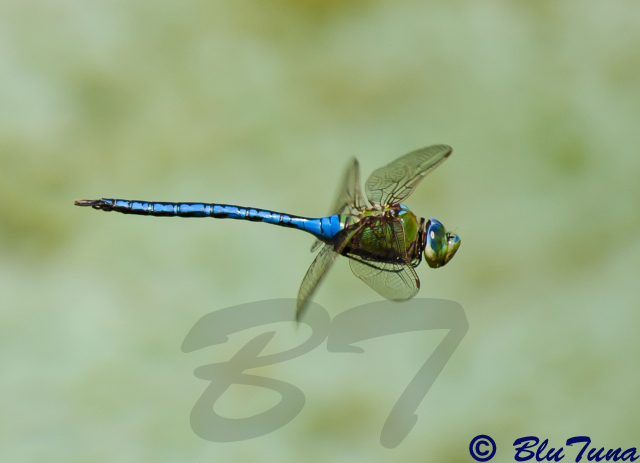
(440, 245)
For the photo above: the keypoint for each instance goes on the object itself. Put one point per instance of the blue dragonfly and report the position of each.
(382, 238)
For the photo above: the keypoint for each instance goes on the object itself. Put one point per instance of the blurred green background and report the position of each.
(261, 103)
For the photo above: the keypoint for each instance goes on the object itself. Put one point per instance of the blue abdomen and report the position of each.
(324, 228)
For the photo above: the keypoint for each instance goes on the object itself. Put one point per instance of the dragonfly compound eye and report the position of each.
(453, 243)
(435, 250)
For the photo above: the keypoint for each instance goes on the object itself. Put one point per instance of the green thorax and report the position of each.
(370, 235)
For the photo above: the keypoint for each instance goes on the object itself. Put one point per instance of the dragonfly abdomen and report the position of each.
(324, 228)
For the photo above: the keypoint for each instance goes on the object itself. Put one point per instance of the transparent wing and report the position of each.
(378, 257)
(349, 199)
(316, 244)
(394, 281)
(394, 182)
(319, 268)
(380, 239)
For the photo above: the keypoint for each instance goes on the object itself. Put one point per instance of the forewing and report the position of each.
(349, 196)
(318, 269)
(394, 281)
(394, 182)
(349, 199)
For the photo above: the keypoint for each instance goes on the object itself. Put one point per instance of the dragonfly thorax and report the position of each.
(397, 213)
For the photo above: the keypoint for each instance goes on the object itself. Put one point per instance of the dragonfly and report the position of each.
(382, 238)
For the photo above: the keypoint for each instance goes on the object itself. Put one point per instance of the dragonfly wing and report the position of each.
(319, 268)
(395, 281)
(394, 182)
(349, 196)
(316, 244)
(378, 257)
(349, 199)
(380, 239)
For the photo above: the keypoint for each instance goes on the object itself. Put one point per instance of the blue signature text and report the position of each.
(530, 447)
